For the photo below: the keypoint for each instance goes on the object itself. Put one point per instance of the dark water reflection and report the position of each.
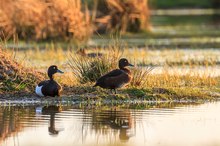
(148, 125)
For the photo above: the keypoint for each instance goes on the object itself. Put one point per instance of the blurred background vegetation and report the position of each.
(161, 4)
(78, 20)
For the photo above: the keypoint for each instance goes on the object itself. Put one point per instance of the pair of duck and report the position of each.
(112, 80)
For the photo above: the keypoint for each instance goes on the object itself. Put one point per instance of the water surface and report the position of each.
(111, 126)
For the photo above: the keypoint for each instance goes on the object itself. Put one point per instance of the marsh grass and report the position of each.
(140, 76)
(82, 71)
(87, 69)
(177, 80)
(16, 77)
(145, 83)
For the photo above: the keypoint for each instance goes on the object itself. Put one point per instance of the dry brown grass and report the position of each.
(43, 19)
(167, 76)
(163, 83)
(140, 76)
(15, 77)
(167, 80)
(127, 15)
(87, 69)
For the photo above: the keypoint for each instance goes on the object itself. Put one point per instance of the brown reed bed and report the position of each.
(69, 19)
(44, 19)
(126, 16)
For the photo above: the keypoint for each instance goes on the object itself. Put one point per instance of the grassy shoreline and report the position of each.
(89, 94)
(159, 85)
(99, 104)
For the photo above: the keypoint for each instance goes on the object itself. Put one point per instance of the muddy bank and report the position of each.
(77, 100)
(78, 95)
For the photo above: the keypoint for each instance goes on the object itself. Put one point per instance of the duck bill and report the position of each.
(59, 71)
(130, 65)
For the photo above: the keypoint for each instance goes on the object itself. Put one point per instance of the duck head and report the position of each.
(123, 63)
(52, 70)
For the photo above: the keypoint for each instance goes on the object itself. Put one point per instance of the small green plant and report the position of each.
(135, 92)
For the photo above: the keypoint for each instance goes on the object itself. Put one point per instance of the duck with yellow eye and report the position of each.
(116, 78)
(49, 87)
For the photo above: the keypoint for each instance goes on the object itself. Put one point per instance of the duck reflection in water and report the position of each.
(50, 110)
(117, 120)
(122, 121)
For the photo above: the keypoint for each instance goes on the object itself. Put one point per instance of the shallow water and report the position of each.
(148, 125)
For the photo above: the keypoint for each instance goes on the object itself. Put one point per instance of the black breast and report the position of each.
(50, 88)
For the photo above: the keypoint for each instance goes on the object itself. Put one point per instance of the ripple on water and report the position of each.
(183, 125)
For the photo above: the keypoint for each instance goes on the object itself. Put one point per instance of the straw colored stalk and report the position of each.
(43, 19)
(126, 15)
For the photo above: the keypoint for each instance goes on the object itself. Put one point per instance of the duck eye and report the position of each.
(54, 67)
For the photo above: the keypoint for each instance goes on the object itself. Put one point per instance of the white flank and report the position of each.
(39, 110)
(38, 90)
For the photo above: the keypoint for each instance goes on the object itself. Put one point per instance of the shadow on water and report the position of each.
(9, 122)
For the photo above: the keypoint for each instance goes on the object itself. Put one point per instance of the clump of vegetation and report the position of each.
(140, 76)
(44, 19)
(15, 77)
(126, 16)
(139, 93)
(87, 69)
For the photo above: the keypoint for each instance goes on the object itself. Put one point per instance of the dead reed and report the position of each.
(45, 19)
(126, 15)
(140, 76)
